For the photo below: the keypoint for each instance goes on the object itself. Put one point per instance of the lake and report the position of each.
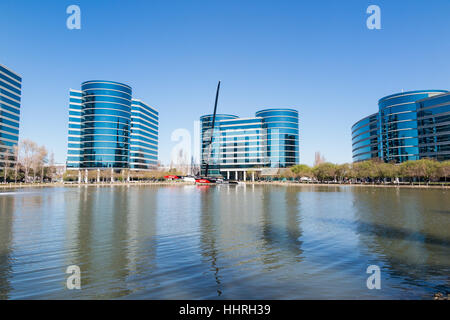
(224, 242)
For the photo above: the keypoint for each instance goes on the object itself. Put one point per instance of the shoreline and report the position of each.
(174, 183)
(362, 185)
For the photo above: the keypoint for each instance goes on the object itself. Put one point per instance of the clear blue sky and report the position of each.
(315, 56)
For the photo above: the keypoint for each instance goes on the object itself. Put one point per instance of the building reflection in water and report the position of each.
(110, 233)
(412, 237)
(7, 208)
(243, 242)
(248, 228)
(280, 226)
(208, 229)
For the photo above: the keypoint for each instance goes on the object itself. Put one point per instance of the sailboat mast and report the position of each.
(212, 129)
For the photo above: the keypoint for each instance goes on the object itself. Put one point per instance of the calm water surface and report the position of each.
(224, 242)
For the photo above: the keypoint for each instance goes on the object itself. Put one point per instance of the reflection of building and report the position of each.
(109, 129)
(10, 94)
(268, 140)
(408, 126)
(410, 237)
(251, 228)
(110, 248)
(8, 207)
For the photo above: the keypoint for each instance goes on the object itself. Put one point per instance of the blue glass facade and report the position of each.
(282, 136)
(75, 139)
(433, 125)
(270, 139)
(144, 136)
(10, 98)
(101, 117)
(401, 132)
(242, 144)
(365, 134)
(398, 124)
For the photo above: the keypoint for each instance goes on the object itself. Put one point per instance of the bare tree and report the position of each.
(51, 166)
(5, 171)
(27, 155)
(31, 157)
(16, 162)
(41, 158)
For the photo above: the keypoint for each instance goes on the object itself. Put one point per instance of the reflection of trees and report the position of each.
(6, 239)
(407, 230)
(141, 232)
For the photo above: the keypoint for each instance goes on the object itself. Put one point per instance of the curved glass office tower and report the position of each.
(410, 126)
(106, 124)
(10, 97)
(365, 143)
(398, 124)
(268, 140)
(282, 136)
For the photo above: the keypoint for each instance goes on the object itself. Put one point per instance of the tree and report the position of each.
(51, 167)
(302, 170)
(432, 169)
(70, 175)
(27, 154)
(420, 169)
(386, 170)
(325, 171)
(32, 158)
(376, 169)
(343, 171)
(364, 170)
(286, 173)
(445, 169)
(16, 162)
(41, 158)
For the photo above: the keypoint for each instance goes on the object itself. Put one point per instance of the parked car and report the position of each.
(171, 177)
(189, 179)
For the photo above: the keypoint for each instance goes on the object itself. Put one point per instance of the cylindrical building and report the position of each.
(282, 136)
(106, 113)
(365, 143)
